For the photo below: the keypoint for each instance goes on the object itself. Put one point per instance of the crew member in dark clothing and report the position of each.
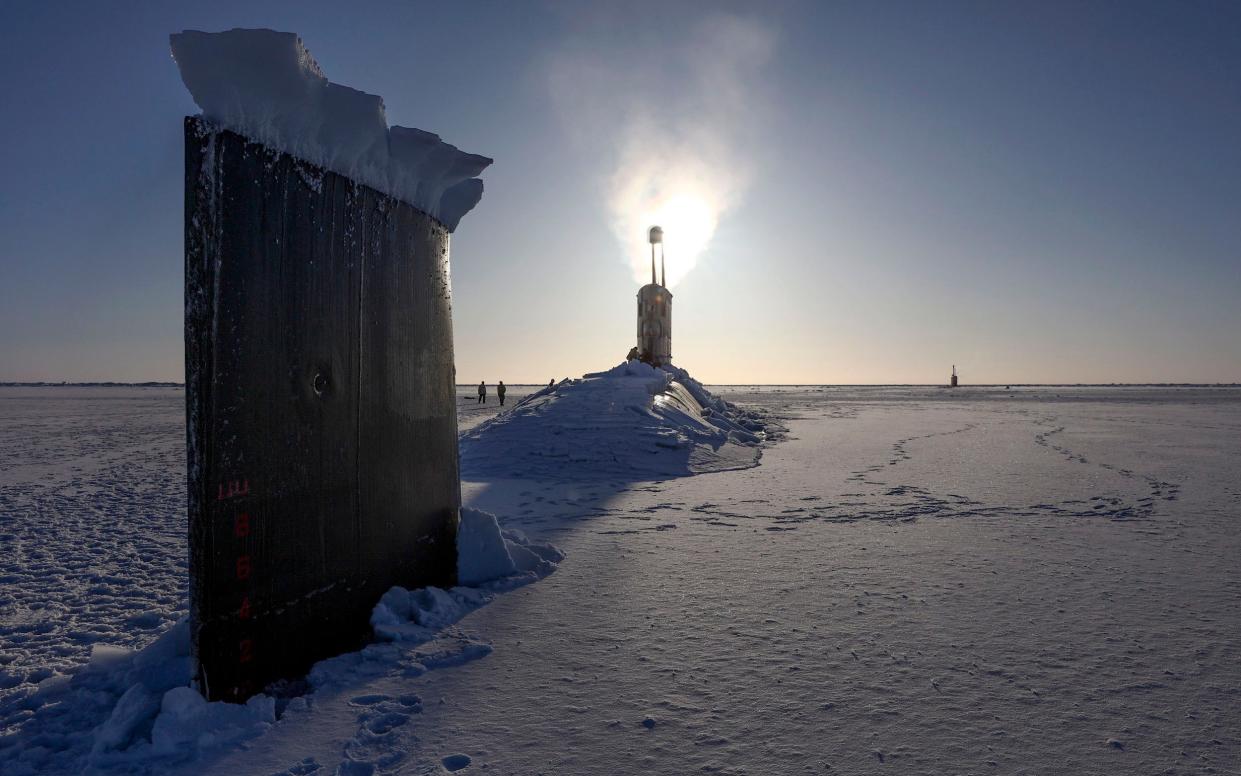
(482, 393)
(500, 392)
(633, 354)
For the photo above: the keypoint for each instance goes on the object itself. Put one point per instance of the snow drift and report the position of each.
(633, 422)
(132, 711)
(265, 85)
(492, 557)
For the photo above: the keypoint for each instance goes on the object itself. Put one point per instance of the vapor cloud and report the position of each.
(670, 122)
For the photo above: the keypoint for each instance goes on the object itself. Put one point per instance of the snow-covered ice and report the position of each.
(266, 86)
(135, 711)
(126, 710)
(912, 580)
(632, 422)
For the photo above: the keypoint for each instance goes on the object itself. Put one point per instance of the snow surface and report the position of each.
(914, 581)
(470, 413)
(124, 710)
(266, 86)
(633, 422)
(127, 711)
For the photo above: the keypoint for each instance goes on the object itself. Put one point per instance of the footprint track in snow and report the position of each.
(379, 745)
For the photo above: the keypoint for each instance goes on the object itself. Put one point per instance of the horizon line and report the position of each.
(170, 384)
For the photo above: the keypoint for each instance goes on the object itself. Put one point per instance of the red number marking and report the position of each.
(245, 651)
(244, 612)
(243, 567)
(241, 525)
(233, 488)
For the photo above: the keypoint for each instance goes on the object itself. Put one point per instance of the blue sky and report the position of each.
(1043, 192)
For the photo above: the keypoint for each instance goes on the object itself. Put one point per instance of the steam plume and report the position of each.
(674, 124)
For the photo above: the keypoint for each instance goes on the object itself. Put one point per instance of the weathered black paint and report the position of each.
(322, 430)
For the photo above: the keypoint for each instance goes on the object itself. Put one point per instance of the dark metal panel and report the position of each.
(322, 443)
(408, 405)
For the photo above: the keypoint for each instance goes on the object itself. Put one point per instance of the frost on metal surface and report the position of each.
(266, 86)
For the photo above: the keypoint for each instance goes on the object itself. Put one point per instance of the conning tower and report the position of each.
(655, 310)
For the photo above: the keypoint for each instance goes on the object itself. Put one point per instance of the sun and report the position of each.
(689, 220)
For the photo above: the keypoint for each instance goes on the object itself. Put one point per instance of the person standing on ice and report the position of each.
(482, 393)
(500, 392)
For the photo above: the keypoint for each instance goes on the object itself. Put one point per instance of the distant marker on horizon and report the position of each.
(953, 384)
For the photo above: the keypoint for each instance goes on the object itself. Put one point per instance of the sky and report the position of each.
(852, 192)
